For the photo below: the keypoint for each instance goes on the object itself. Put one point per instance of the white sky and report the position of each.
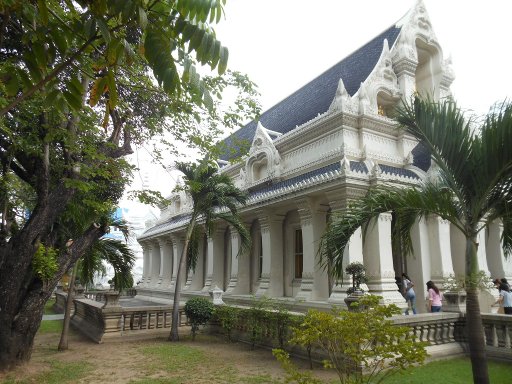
(283, 44)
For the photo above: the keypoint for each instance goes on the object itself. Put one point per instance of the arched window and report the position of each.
(429, 70)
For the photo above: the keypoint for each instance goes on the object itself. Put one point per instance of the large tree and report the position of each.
(81, 83)
(214, 199)
(473, 189)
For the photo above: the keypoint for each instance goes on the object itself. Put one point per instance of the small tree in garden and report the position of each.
(199, 311)
(363, 346)
(358, 273)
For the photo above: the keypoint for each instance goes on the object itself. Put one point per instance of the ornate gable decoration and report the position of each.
(342, 101)
(381, 79)
(264, 161)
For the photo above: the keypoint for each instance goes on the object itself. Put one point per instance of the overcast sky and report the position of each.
(283, 44)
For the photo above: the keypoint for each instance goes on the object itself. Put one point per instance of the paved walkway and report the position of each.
(59, 316)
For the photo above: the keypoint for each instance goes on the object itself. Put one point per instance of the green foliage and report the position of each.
(358, 273)
(361, 342)
(199, 311)
(293, 375)
(44, 263)
(227, 316)
(265, 318)
(257, 318)
(460, 283)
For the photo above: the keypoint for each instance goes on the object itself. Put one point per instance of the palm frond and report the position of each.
(443, 129)
(407, 204)
(119, 256)
(240, 227)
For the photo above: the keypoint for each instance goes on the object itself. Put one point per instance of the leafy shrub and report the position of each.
(228, 318)
(358, 342)
(199, 311)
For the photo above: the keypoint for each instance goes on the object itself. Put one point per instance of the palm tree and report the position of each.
(473, 189)
(113, 252)
(214, 197)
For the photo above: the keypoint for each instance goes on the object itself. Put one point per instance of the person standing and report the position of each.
(505, 299)
(435, 297)
(409, 294)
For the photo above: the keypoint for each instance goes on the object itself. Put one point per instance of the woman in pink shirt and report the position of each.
(434, 297)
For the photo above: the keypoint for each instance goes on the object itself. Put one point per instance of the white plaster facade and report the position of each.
(298, 177)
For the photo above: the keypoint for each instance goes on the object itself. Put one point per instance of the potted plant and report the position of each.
(357, 271)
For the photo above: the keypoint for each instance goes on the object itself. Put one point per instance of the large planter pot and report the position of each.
(354, 297)
(111, 300)
(454, 301)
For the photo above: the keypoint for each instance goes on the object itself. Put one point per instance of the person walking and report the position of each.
(435, 297)
(409, 294)
(505, 299)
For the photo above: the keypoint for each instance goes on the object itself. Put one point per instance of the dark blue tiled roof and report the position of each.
(358, 166)
(294, 180)
(421, 157)
(316, 96)
(171, 221)
(398, 171)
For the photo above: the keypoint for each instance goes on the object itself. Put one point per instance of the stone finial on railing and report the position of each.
(216, 295)
(111, 300)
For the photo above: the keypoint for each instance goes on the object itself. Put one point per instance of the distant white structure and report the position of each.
(310, 155)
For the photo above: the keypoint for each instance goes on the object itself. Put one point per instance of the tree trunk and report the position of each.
(476, 339)
(63, 343)
(174, 336)
(22, 294)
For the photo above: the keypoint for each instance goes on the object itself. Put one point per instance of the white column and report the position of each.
(499, 266)
(217, 252)
(482, 252)
(178, 242)
(378, 260)
(149, 276)
(198, 277)
(441, 265)
(235, 247)
(208, 264)
(145, 263)
(166, 257)
(353, 253)
(155, 264)
(314, 284)
(419, 264)
(271, 282)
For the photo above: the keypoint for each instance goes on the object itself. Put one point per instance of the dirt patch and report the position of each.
(122, 362)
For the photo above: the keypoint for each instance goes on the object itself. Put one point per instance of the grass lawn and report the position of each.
(206, 360)
(50, 326)
(453, 371)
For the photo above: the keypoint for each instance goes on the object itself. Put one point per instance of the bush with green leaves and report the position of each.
(199, 311)
(363, 346)
(228, 317)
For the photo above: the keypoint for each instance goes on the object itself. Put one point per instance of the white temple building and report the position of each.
(312, 153)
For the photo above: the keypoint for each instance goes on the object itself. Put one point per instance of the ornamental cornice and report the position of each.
(404, 66)
(385, 216)
(378, 123)
(309, 131)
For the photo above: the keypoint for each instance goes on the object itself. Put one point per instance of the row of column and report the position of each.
(439, 251)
